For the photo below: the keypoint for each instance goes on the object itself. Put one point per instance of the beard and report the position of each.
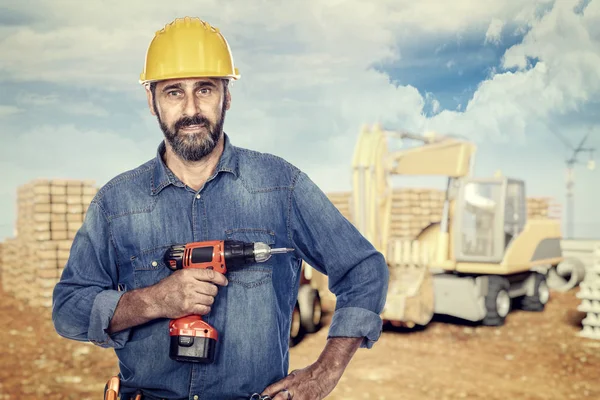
(193, 146)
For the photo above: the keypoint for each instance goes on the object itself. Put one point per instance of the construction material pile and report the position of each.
(414, 209)
(542, 207)
(49, 214)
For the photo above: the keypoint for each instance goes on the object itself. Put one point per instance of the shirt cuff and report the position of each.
(102, 311)
(356, 322)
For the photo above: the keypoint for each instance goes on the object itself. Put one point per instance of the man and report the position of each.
(117, 292)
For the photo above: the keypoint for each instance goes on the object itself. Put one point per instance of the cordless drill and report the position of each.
(192, 339)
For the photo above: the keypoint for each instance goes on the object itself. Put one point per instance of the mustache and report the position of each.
(195, 120)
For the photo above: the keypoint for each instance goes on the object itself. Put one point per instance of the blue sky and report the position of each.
(313, 73)
(448, 70)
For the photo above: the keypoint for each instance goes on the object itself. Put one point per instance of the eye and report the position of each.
(205, 91)
(172, 93)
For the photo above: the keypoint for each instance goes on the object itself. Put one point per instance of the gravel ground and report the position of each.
(533, 356)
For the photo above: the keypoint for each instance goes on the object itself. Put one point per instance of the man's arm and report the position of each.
(134, 308)
(357, 275)
(318, 379)
(184, 292)
(85, 298)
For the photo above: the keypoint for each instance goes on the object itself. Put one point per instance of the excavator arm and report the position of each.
(373, 164)
(451, 158)
(410, 294)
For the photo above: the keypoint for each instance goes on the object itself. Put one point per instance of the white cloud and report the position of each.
(307, 84)
(65, 152)
(435, 107)
(6, 111)
(36, 99)
(30, 100)
(565, 79)
(83, 153)
(107, 46)
(84, 108)
(494, 32)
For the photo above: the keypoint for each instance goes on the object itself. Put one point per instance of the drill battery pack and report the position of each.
(193, 349)
(192, 340)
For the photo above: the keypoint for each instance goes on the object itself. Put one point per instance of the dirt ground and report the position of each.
(533, 356)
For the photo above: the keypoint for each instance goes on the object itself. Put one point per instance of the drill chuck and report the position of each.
(237, 253)
(262, 252)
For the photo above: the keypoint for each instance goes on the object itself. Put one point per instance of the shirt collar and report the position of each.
(162, 176)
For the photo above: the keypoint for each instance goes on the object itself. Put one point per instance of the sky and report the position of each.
(521, 79)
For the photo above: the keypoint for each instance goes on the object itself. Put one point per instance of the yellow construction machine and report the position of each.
(484, 255)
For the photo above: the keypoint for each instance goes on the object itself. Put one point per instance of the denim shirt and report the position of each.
(251, 197)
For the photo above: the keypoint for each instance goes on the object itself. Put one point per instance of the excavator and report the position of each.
(483, 256)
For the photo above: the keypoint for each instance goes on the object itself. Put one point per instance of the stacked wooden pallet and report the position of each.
(589, 293)
(543, 207)
(13, 260)
(50, 212)
(411, 209)
(414, 209)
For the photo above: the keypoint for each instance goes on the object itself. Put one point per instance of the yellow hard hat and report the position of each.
(188, 48)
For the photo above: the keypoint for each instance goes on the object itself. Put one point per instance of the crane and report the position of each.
(571, 162)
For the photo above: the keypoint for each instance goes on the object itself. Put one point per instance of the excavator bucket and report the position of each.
(410, 297)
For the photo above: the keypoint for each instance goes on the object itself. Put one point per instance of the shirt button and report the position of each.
(198, 196)
(154, 263)
(196, 396)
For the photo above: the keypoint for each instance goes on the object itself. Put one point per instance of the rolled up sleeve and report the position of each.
(357, 273)
(85, 298)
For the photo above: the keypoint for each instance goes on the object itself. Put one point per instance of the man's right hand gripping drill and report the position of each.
(184, 292)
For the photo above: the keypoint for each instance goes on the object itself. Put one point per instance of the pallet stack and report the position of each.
(412, 209)
(543, 207)
(415, 209)
(12, 249)
(589, 293)
(50, 212)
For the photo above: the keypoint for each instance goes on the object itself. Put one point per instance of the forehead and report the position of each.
(188, 83)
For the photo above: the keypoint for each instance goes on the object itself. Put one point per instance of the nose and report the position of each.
(191, 106)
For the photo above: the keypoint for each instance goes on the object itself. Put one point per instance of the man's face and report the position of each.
(191, 114)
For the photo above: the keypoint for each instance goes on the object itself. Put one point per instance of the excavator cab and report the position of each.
(489, 214)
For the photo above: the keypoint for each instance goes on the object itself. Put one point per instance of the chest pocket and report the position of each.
(149, 267)
(256, 274)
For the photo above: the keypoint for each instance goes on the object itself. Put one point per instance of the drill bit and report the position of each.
(281, 250)
(262, 251)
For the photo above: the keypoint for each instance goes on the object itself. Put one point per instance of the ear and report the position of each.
(227, 99)
(149, 97)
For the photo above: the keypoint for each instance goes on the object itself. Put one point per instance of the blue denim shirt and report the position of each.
(252, 196)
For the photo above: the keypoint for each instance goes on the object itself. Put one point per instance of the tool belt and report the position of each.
(113, 386)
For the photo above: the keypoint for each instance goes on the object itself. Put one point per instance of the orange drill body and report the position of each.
(192, 339)
(205, 255)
